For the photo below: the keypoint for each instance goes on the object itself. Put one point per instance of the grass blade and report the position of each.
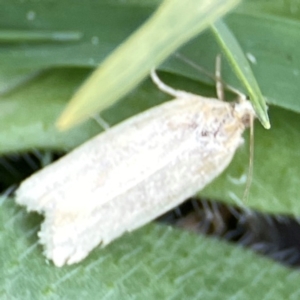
(174, 23)
(240, 65)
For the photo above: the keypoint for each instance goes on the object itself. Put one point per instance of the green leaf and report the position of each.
(242, 69)
(156, 262)
(28, 112)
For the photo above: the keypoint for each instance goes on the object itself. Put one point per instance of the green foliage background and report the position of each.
(38, 76)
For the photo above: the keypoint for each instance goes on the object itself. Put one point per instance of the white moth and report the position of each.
(134, 172)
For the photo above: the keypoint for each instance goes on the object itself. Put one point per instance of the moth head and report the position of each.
(244, 111)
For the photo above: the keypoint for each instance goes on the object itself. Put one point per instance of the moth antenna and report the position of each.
(195, 66)
(251, 159)
(209, 75)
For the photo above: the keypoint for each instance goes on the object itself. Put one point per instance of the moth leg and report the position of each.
(103, 124)
(165, 88)
(219, 83)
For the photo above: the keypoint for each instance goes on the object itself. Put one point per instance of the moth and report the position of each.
(134, 172)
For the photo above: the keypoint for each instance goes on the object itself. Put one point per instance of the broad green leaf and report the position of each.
(156, 262)
(28, 112)
(242, 69)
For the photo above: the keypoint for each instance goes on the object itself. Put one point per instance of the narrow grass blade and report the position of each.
(240, 65)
